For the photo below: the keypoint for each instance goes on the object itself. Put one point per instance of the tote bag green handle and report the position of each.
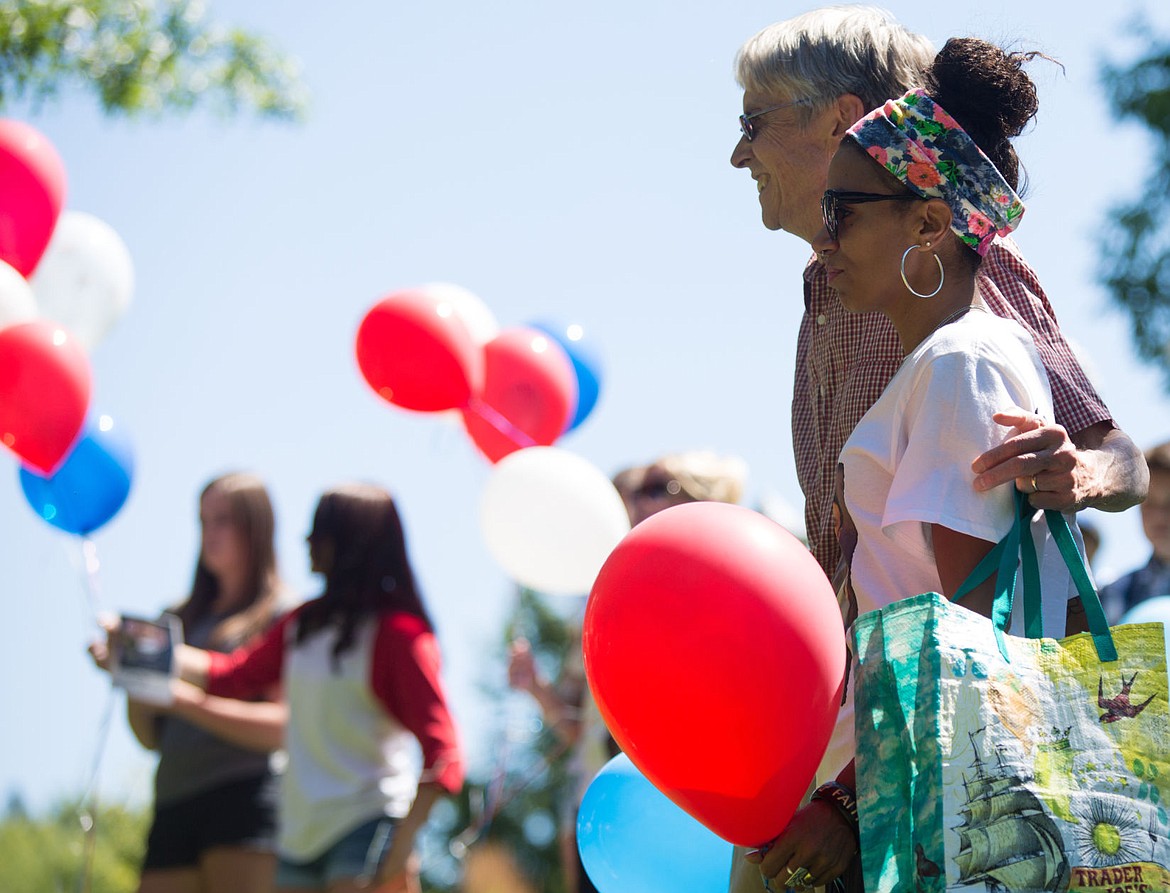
(1018, 546)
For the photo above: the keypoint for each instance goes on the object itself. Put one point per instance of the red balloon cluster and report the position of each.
(515, 390)
(45, 377)
(714, 647)
(34, 189)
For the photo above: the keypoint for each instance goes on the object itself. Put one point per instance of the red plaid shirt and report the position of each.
(844, 361)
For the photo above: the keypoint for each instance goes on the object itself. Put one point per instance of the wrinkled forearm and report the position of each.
(1115, 466)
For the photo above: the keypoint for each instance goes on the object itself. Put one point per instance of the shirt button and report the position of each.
(822, 319)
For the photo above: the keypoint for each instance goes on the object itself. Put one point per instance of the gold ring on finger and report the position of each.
(799, 877)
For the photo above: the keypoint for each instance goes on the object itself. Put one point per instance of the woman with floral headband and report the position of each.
(919, 188)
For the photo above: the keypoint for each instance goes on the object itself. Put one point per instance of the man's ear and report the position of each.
(849, 110)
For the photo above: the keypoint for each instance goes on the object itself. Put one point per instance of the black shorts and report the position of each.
(236, 814)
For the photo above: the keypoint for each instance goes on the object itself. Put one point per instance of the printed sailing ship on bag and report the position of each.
(1007, 841)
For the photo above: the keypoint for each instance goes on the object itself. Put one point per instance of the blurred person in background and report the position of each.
(1153, 578)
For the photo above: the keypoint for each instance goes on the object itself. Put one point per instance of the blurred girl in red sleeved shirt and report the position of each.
(359, 666)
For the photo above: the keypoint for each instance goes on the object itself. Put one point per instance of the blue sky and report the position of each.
(561, 161)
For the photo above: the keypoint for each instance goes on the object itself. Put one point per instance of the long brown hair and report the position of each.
(369, 571)
(252, 513)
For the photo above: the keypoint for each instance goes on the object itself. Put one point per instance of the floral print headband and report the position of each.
(924, 147)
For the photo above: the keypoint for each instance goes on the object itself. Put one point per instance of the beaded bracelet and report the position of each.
(840, 797)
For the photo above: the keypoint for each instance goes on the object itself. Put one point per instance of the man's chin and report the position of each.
(773, 221)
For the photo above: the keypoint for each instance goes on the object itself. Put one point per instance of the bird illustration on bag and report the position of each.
(1118, 706)
(926, 872)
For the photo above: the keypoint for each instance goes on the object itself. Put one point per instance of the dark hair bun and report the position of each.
(987, 91)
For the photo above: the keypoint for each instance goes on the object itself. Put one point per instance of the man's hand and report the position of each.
(1103, 469)
(1042, 460)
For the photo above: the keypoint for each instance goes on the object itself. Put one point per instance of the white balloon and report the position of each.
(550, 518)
(85, 279)
(470, 308)
(17, 303)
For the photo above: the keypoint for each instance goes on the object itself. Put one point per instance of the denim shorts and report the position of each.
(357, 855)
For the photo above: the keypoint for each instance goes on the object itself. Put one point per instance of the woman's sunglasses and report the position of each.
(832, 201)
(658, 489)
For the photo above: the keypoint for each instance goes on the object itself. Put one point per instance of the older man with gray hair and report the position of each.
(805, 81)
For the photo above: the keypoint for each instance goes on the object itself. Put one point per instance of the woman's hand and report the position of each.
(99, 650)
(819, 840)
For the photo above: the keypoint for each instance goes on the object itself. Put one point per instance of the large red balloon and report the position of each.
(416, 352)
(44, 392)
(714, 647)
(33, 187)
(528, 397)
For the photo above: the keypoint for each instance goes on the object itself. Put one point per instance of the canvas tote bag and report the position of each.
(992, 762)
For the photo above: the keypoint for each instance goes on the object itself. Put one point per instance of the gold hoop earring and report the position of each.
(942, 274)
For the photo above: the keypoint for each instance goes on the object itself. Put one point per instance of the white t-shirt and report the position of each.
(907, 465)
(350, 761)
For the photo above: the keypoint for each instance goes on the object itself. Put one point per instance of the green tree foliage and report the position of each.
(67, 851)
(1136, 246)
(140, 56)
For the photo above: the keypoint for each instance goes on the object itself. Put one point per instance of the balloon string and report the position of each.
(495, 794)
(498, 421)
(494, 790)
(88, 811)
(498, 796)
(92, 587)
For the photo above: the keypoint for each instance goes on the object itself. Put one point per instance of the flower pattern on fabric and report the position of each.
(919, 143)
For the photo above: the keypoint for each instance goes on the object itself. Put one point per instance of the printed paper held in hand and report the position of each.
(142, 656)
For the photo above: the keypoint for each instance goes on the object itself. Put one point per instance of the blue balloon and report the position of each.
(90, 486)
(1152, 610)
(586, 365)
(634, 839)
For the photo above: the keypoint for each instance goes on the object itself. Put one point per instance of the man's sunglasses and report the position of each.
(749, 128)
(832, 201)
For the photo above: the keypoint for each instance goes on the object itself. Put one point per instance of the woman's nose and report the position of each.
(822, 242)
